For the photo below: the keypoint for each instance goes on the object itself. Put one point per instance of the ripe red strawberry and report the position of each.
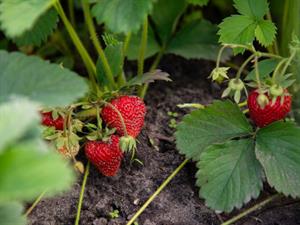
(273, 111)
(106, 156)
(48, 120)
(131, 108)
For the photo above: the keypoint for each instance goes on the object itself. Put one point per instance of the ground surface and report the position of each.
(178, 204)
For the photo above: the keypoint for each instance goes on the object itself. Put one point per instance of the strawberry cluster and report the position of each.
(126, 115)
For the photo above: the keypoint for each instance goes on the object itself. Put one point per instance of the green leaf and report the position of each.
(10, 113)
(11, 214)
(198, 2)
(237, 29)
(114, 54)
(217, 123)
(192, 44)
(38, 80)
(265, 32)
(25, 172)
(165, 15)
(229, 175)
(278, 150)
(18, 16)
(135, 42)
(39, 33)
(265, 67)
(122, 16)
(147, 78)
(252, 8)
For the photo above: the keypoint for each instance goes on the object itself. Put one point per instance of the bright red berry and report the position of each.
(106, 156)
(131, 108)
(48, 120)
(272, 111)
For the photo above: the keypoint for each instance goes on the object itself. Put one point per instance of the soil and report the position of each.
(179, 203)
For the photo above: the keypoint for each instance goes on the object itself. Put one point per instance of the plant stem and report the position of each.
(257, 72)
(220, 55)
(89, 64)
(126, 44)
(288, 62)
(143, 47)
(161, 187)
(242, 104)
(154, 65)
(71, 12)
(242, 67)
(121, 77)
(96, 42)
(276, 71)
(250, 210)
(39, 198)
(86, 173)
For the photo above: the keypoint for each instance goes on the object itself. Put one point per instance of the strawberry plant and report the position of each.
(251, 138)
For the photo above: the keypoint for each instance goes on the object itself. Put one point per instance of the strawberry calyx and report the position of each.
(128, 143)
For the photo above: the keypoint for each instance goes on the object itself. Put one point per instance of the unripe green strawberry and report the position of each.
(272, 110)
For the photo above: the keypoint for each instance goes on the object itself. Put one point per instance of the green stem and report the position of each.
(143, 47)
(242, 104)
(39, 198)
(288, 62)
(121, 77)
(71, 12)
(86, 173)
(96, 42)
(152, 197)
(269, 55)
(250, 210)
(257, 72)
(154, 65)
(126, 44)
(220, 55)
(242, 67)
(90, 66)
(276, 71)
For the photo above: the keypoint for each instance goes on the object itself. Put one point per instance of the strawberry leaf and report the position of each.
(190, 42)
(217, 123)
(18, 16)
(39, 33)
(265, 32)
(12, 213)
(149, 77)
(122, 16)
(278, 150)
(165, 15)
(38, 80)
(26, 171)
(9, 111)
(252, 8)
(237, 29)
(244, 28)
(229, 175)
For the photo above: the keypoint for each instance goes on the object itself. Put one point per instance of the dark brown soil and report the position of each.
(179, 203)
